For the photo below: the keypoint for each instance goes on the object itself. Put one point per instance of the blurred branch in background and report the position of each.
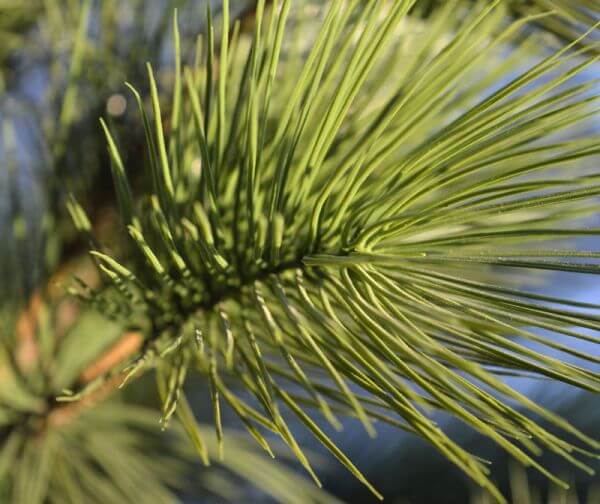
(106, 448)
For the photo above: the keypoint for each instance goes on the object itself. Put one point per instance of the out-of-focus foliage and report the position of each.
(90, 452)
(572, 17)
(106, 448)
(16, 18)
(522, 491)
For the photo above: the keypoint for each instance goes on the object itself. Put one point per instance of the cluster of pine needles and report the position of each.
(345, 225)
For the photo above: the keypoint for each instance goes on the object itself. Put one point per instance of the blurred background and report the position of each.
(63, 64)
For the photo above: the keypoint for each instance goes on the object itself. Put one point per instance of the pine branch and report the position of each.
(342, 225)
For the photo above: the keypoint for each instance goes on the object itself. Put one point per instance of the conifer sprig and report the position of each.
(345, 227)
